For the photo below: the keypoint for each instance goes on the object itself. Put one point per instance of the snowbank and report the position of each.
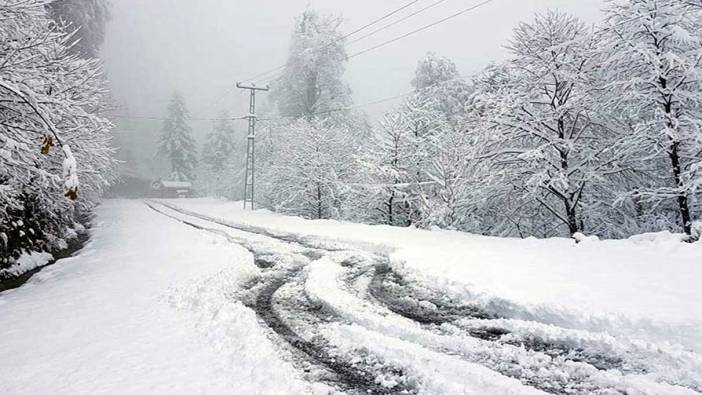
(25, 263)
(646, 287)
(135, 313)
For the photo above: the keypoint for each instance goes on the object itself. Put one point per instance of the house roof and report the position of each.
(177, 184)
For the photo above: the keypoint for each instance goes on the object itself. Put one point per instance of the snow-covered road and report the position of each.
(171, 300)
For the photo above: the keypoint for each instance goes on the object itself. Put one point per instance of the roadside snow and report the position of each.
(136, 313)
(27, 262)
(645, 288)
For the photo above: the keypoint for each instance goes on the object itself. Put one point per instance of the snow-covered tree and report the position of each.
(308, 173)
(312, 81)
(423, 120)
(384, 180)
(222, 159)
(654, 60)
(219, 144)
(85, 20)
(55, 155)
(177, 144)
(546, 135)
(436, 78)
(447, 146)
(308, 153)
(409, 158)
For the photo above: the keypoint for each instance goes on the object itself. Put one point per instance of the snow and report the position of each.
(152, 305)
(176, 184)
(69, 169)
(645, 288)
(142, 309)
(26, 262)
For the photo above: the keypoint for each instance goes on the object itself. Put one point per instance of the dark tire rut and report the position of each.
(402, 297)
(336, 370)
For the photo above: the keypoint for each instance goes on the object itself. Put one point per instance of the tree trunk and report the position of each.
(570, 207)
(572, 217)
(683, 204)
(319, 201)
(391, 200)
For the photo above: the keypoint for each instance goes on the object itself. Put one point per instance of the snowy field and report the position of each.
(199, 296)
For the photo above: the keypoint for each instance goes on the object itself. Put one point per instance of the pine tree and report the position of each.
(222, 158)
(176, 143)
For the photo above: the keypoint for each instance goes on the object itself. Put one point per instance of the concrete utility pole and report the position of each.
(250, 143)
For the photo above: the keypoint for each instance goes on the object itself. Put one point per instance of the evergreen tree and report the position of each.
(222, 158)
(176, 143)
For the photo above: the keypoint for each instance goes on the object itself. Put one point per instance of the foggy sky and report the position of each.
(202, 47)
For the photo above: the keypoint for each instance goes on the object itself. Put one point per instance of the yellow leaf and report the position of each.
(47, 144)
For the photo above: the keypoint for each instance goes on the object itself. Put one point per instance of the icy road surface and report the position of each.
(167, 300)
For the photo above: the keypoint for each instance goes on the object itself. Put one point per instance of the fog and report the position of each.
(201, 48)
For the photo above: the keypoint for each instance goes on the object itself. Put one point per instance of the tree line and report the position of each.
(595, 130)
(583, 129)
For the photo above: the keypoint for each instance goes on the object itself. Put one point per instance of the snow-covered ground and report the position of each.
(200, 296)
(143, 309)
(645, 287)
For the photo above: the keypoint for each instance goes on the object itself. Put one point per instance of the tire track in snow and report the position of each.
(389, 290)
(348, 377)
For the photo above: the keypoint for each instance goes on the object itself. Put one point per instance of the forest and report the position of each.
(592, 130)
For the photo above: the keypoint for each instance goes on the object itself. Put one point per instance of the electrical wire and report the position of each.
(432, 5)
(360, 29)
(425, 27)
(421, 29)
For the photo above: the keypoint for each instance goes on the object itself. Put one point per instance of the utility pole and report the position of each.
(250, 143)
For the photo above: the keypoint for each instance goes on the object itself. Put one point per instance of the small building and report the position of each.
(173, 189)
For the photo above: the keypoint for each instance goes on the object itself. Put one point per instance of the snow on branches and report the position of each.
(581, 130)
(654, 64)
(49, 96)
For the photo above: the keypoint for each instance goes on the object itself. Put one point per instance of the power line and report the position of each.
(432, 5)
(425, 27)
(379, 101)
(153, 118)
(360, 29)
(384, 17)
